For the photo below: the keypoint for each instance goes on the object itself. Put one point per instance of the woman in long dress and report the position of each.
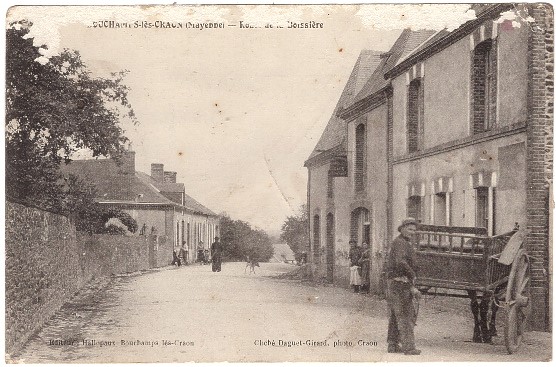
(216, 249)
(354, 268)
(365, 263)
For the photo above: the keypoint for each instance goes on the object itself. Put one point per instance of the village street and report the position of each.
(192, 314)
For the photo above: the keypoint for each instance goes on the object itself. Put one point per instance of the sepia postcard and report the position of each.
(279, 183)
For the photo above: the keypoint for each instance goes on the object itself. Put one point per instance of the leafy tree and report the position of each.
(240, 241)
(53, 109)
(295, 231)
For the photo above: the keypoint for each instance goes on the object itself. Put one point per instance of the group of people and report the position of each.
(360, 266)
(203, 256)
(401, 293)
(180, 255)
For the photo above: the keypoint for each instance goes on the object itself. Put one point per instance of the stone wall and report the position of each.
(42, 269)
(47, 261)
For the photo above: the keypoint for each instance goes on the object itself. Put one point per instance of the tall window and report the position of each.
(485, 204)
(360, 160)
(316, 238)
(440, 209)
(182, 231)
(361, 225)
(177, 233)
(415, 116)
(195, 234)
(414, 207)
(484, 86)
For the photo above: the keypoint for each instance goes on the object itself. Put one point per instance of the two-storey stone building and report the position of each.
(329, 184)
(157, 202)
(455, 128)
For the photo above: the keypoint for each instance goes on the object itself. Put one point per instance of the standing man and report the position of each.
(400, 291)
(216, 254)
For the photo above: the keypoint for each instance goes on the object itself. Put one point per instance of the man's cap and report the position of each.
(407, 222)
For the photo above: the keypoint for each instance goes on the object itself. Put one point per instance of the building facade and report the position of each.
(472, 139)
(157, 202)
(453, 128)
(329, 184)
(367, 121)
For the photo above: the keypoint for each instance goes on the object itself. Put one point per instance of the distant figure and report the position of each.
(216, 253)
(365, 264)
(206, 257)
(303, 257)
(183, 254)
(354, 268)
(143, 230)
(175, 258)
(251, 263)
(200, 256)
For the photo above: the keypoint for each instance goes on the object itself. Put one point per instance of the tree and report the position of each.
(79, 205)
(295, 231)
(53, 109)
(240, 241)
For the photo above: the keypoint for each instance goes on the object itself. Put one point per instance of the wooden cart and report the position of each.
(467, 259)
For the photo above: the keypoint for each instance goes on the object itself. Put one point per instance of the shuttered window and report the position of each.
(415, 116)
(414, 207)
(484, 81)
(316, 237)
(360, 151)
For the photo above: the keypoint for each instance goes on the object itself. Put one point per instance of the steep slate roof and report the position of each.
(161, 186)
(438, 35)
(114, 185)
(335, 130)
(188, 201)
(443, 39)
(405, 43)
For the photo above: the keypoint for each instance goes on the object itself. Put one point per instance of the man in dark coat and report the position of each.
(400, 282)
(216, 254)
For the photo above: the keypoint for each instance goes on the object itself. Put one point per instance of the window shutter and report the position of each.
(421, 117)
(413, 115)
(493, 66)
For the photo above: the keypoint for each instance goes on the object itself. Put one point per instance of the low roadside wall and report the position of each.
(47, 261)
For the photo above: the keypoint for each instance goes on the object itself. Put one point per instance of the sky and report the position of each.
(234, 111)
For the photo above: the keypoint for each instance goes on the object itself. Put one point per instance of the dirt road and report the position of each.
(192, 314)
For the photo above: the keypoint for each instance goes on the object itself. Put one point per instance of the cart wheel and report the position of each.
(518, 301)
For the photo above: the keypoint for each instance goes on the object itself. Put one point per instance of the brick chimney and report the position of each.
(127, 162)
(157, 172)
(170, 176)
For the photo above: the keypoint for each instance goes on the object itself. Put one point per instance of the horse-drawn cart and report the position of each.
(466, 262)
